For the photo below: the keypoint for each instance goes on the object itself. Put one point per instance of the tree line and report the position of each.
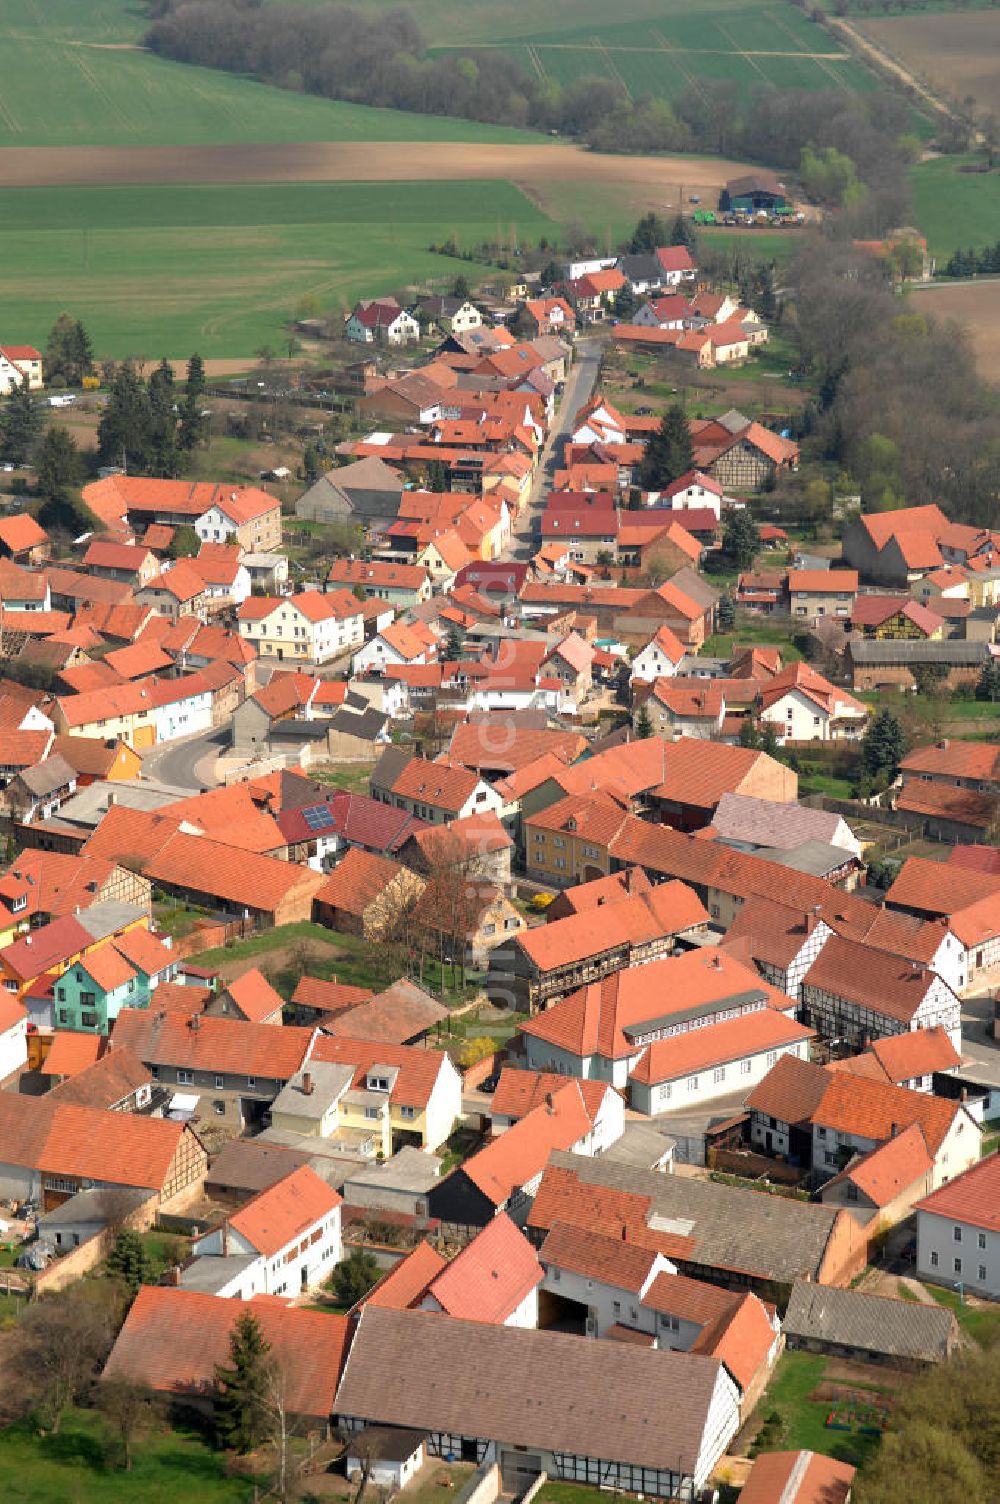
(971, 262)
(899, 406)
(382, 59)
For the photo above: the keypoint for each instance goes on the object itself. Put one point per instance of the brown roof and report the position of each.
(402, 1012)
(889, 1169)
(921, 884)
(104, 1083)
(173, 1341)
(888, 985)
(533, 1388)
(943, 801)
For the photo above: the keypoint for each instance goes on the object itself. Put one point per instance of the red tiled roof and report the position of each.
(593, 1020)
(973, 1197)
(329, 997)
(254, 996)
(70, 1053)
(491, 1276)
(596, 1255)
(742, 1339)
(850, 1104)
(174, 1340)
(955, 759)
(226, 1045)
(888, 985)
(797, 1478)
(888, 1170)
(718, 1044)
(406, 1284)
(518, 1155)
(358, 881)
(21, 532)
(668, 909)
(822, 581)
(114, 1148)
(419, 1069)
(285, 1211)
(563, 1197)
(927, 886)
(45, 948)
(943, 801)
(519, 1092)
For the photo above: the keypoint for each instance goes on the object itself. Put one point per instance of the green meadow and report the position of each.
(166, 270)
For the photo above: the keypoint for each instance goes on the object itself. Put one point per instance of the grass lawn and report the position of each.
(153, 271)
(804, 1419)
(954, 208)
(981, 1322)
(752, 634)
(177, 918)
(69, 1468)
(825, 783)
(571, 1493)
(438, 1482)
(344, 775)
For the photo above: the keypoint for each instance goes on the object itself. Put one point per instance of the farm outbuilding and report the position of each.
(754, 191)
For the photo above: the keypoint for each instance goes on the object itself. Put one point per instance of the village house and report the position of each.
(817, 593)
(606, 1028)
(895, 548)
(958, 1231)
(450, 315)
(692, 708)
(401, 585)
(123, 973)
(869, 1329)
(504, 1176)
(405, 1095)
(218, 513)
(803, 706)
(541, 964)
(394, 645)
(658, 659)
(881, 1187)
(798, 1478)
(366, 895)
(494, 1279)
(49, 1150)
(20, 365)
(820, 1119)
(381, 321)
(730, 1236)
(557, 1417)
(309, 627)
(435, 792)
(285, 1240)
(23, 539)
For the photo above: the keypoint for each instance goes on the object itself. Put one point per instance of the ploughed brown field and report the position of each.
(975, 306)
(530, 167)
(956, 51)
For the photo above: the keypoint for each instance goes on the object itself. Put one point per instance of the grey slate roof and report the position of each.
(767, 1237)
(538, 1389)
(45, 777)
(904, 651)
(895, 1328)
(818, 858)
(763, 822)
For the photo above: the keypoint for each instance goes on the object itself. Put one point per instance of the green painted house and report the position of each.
(124, 973)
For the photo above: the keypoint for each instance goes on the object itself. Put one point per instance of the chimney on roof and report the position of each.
(897, 1129)
(27, 939)
(225, 1238)
(549, 1103)
(307, 1083)
(194, 1023)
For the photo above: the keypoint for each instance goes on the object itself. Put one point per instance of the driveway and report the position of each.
(580, 383)
(186, 763)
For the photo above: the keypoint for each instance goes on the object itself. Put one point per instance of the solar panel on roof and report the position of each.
(318, 816)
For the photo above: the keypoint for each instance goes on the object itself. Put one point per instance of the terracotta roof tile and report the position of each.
(597, 1255)
(284, 1211)
(668, 909)
(719, 1044)
(891, 986)
(973, 1197)
(255, 997)
(173, 1341)
(491, 1276)
(519, 1092)
(518, 1155)
(406, 1284)
(419, 1069)
(797, 1478)
(226, 1045)
(359, 881)
(891, 1168)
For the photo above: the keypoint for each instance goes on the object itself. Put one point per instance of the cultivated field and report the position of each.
(71, 71)
(976, 307)
(954, 52)
(675, 47)
(163, 271)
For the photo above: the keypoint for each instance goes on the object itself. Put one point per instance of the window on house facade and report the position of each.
(409, 1113)
(982, 1274)
(934, 1260)
(981, 1240)
(957, 1265)
(185, 1078)
(956, 1233)
(220, 1082)
(88, 1019)
(719, 1074)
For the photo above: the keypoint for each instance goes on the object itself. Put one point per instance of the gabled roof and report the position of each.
(973, 1197)
(850, 1104)
(418, 1069)
(901, 1329)
(491, 1276)
(285, 1211)
(20, 532)
(891, 1168)
(668, 909)
(254, 996)
(597, 1255)
(606, 1017)
(406, 1283)
(519, 1092)
(518, 1155)
(173, 1341)
(440, 785)
(359, 881)
(62, 1139)
(719, 1044)
(889, 985)
(226, 1045)
(797, 1478)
